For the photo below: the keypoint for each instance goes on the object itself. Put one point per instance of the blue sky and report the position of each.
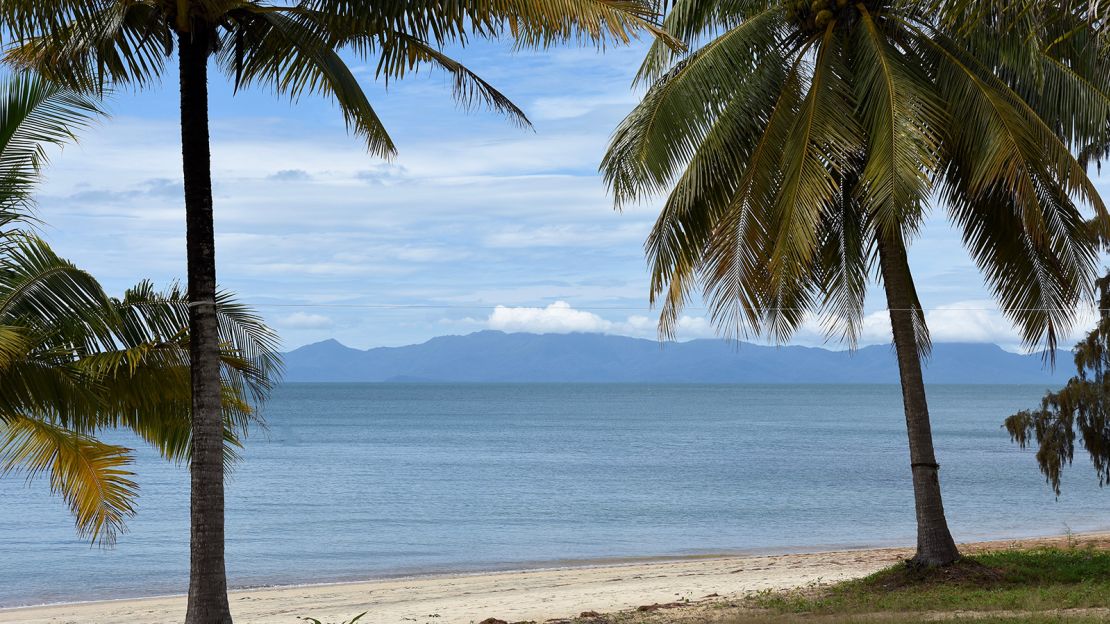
(477, 224)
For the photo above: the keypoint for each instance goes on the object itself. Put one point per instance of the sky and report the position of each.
(476, 224)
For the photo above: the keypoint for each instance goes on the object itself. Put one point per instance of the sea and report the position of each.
(359, 481)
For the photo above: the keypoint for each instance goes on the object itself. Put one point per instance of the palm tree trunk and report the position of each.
(207, 575)
(935, 546)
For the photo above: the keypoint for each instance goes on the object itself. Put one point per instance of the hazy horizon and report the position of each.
(831, 346)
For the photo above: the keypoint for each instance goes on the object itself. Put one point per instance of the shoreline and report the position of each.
(534, 593)
(546, 565)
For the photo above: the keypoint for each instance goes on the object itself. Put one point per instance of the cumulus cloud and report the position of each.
(982, 321)
(86, 193)
(382, 174)
(561, 318)
(970, 322)
(960, 321)
(557, 318)
(304, 320)
(291, 175)
(964, 321)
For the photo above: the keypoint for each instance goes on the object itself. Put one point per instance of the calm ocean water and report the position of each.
(364, 480)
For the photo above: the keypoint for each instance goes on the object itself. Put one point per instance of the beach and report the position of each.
(526, 595)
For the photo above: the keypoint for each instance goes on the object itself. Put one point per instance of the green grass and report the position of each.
(1038, 618)
(1040, 586)
(1044, 579)
(742, 615)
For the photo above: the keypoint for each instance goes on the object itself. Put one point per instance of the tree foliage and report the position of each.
(293, 48)
(75, 362)
(1080, 409)
(794, 135)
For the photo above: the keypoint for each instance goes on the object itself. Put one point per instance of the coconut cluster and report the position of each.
(815, 15)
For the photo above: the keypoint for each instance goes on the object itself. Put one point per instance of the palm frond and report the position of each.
(36, 283)
(528, 23)
(690, 21)
(33, 113)
(777, 209)
(822, 141)
(293, 57)
(402, 53)
(91, 476)
(1013, 191)
(845, 262)
(661, 135)
(904, 119)
(107, 42)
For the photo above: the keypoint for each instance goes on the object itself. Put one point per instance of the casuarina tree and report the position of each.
(1081, 409)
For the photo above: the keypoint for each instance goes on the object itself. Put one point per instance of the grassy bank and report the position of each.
(1028, 586)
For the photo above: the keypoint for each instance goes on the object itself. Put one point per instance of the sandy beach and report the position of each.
(533, 595)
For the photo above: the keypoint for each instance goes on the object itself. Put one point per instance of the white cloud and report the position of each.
(567, 235)
(557, 318)
(982, 321)
(561, 318)
(693, 327)
(963, 321)
(975, 320)
(564, 107)
(290, 175)
(972, 321)
(304, 320)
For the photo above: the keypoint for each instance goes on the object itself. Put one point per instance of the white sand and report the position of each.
(512, 596)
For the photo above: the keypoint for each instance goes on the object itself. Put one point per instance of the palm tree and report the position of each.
(801, 145)
(74, 361)
(292, 48)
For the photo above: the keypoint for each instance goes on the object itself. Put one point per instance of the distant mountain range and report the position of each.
(493, 356)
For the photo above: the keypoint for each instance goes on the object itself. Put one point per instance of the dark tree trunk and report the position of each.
(935, 546)
(207, 575)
